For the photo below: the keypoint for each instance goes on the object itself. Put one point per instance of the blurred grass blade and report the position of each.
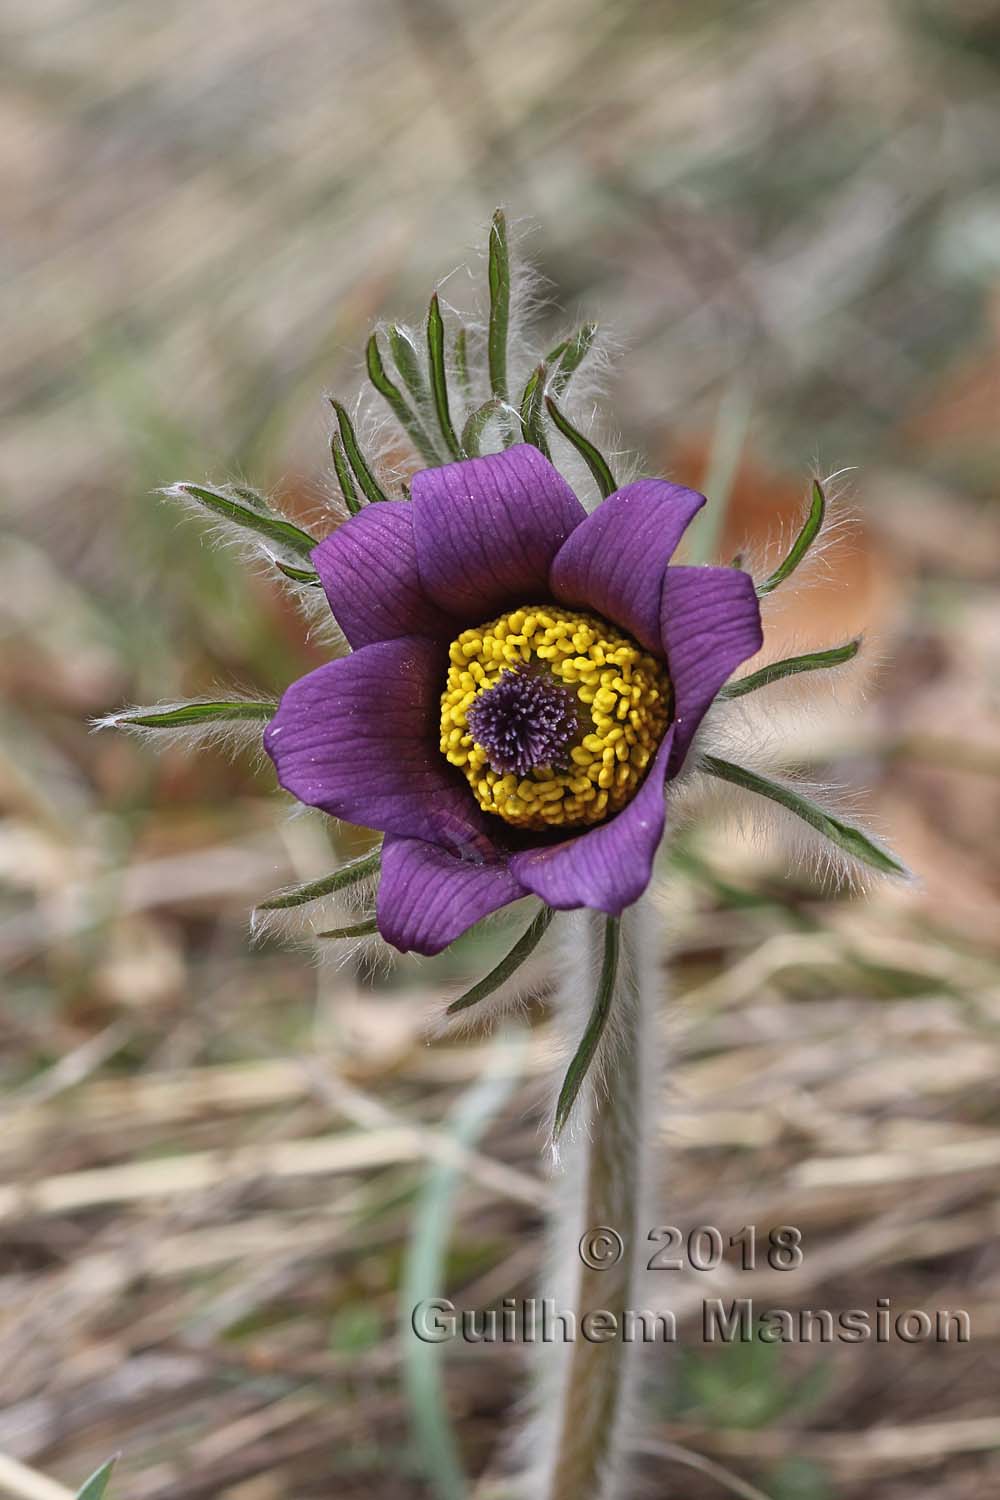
(397, 403)
(790, 666)
(297, 575)
(423, 1275)
(366, 479)
(239, 511)
(96, 1486)
(728, 439)
(343, 473)
(570, 355)
(592, 457)
(801, 544)
(462, 363)
(522, 949)
(590, 1041)
(531, 410)
(339, 880)
(499, 279)
(358, 929)
(851, 840)
(472, 432)
(405, 358)
(439, 376)
(195, 713)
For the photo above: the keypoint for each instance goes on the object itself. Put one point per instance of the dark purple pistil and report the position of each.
(525, 721)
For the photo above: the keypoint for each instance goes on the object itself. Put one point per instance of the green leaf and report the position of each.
(851, 840)
(499, 279)
(265, 523)
(472, 432)
(522, 949)
(359, 929)
(197, 713)
(592, 457)
(462, 363)
(408, 365)
(96, 1486)
(366, 479)
(531, 410)
(343, 472)
(439, 377)
(801, 544)
(790, 666)
(339, 880)
(570, 355)
(397, 404)
(589, 1042)
(298, 575)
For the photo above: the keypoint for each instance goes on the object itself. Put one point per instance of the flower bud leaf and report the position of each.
(343, 472)
(851, 840)
(801, 544)
(570, 354)
(263, 521)
(397, 403)
(789, 666)
(370, 486)
(462, 362)
(499, 280)
(359, 929)
(405, 357)
(508, 965)
(531, 410)
(96, 1486)
(439, 377)
(591, 1039)
(181, 714)
(592, 456)
(472, 432)
(339, 880)
(297, 575)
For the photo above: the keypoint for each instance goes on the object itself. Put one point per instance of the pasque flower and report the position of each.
(524, 678)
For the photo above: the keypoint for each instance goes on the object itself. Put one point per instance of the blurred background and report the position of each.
(226, 1171)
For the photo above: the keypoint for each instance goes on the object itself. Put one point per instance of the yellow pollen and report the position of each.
(624, 705)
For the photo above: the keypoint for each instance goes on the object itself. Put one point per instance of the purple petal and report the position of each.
(615, 560)
(608, 867)
(427, 897)
(710, 620)
(369, 571)
(487, 530)
(358, 738)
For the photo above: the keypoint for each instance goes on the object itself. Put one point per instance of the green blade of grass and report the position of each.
(591, 1039)
(790, 666)
(96, 1486)
(851, 840)
(508, 965)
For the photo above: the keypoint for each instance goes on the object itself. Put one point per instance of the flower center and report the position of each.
(552, 715)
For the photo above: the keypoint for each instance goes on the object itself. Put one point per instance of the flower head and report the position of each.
(524, 679)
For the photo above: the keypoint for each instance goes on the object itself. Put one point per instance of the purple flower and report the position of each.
(523, 680)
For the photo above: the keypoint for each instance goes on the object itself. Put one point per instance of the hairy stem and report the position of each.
(580, 1433)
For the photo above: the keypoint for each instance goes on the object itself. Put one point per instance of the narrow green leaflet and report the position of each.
(366, 479)
(359, 929)
(590, 1041)
(397, 403)
(408, 365)
(801, 544)
(790, 666)
(297, 575)
(439, 378)
(339, 880)
(264, 522)
(343, 473)
(472, 432)
(499, 279)
(197, 713)
(851, 840)
(570, 355)
(97, 1485)
(462, 363)
(592, 457)
(531, 410)
(522, 949)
